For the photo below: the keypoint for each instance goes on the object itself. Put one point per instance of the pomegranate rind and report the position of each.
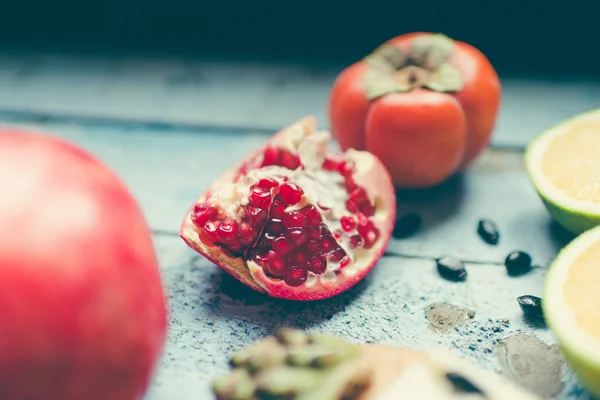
(236, 266)
(370, 174)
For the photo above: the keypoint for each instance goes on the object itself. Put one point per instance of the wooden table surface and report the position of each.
(169, 127)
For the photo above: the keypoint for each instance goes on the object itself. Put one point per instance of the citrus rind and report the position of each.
(581, 350)
(575, 215)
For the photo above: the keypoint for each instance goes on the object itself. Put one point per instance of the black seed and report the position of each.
(407, 225)
(451, 268)
(462, 384)
(488, 231)
(517, 263)
(531, 305)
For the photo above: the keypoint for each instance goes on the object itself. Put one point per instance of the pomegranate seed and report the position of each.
(367, 209)
(282, 246)
(268, 239)
(324, 208)
(359, 196)
(271, 156)
(247, 234)
(210, 229)
(332, 163)
(274, 264)
(275, 226)
(345, 261)
(290, 193)
(296, 276)
(312, 215)
(364, 226)
(346, 168)
(337, 255)
(227, 232)
(351, 206)
(350, 184)
(201, 217)
(328, 244)
(312, 246)
(244, 168)
(362, 220)
(257, 216)
(294, 219)
(314, 231)
(329, 165)
(259, 256)
(235, 249)
(337, 236)
(371, 237)
(356, 241)
(278, 209)
(318, 265)
(297, 258)
(201, 206)
(260, 197)
(348, 223)
(266, 183)
(289, 160)
(297, 236)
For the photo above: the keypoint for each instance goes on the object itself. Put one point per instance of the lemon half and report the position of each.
(564, 166)
(572, 306)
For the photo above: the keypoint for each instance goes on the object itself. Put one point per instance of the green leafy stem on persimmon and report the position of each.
(392, 70)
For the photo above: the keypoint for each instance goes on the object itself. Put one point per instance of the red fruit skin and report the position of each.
(82, 308)
(374, 180)
(421, 138)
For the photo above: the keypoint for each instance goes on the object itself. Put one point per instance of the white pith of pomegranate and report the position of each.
(294, 219)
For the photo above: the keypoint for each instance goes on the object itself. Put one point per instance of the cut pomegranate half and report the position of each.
(295, 220)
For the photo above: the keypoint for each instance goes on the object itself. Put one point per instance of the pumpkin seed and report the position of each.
(531, 306)
(488, 231)
(451, 268)
(517, 263)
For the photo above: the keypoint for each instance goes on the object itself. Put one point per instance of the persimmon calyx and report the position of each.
(426, 65)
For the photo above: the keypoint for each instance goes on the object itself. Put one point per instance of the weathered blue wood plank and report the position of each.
(238, 95)
(211, 314)
(167, 171)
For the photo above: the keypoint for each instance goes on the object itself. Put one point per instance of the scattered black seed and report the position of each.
(518, 263)
(451, 268)
(488, 231)
(531, 306)
(407, 225)
(462, 384)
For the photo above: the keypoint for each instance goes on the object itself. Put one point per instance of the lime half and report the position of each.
(572, 303)
(564, 166)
